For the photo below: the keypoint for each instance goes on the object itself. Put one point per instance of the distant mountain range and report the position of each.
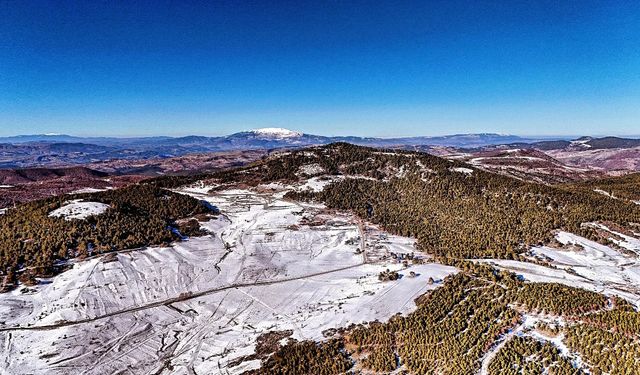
(578, 144)
(63, 150)
(267, 138)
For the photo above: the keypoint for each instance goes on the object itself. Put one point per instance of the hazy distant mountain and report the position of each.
(61, 150)
(64, 138)
(578, 144)
(579, 155)
(267, 137)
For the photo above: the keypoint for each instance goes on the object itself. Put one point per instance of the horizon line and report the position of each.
(131, 136)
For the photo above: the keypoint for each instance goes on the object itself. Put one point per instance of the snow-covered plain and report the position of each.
(198, 306)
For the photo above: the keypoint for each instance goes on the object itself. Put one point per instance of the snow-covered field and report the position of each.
(198, 306)
(268, 265)
(586, 264)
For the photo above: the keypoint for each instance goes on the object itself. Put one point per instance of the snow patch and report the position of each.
(463, 170)
(581, 143)
(311, 169)
(78, 209)
(606, 193)
(317, 184)
(87, 190)
(589, 265)
(557, 340)
(527, 329)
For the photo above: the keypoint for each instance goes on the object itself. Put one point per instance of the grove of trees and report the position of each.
(139, 215)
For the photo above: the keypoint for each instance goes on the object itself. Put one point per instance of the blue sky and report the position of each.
(394, 68)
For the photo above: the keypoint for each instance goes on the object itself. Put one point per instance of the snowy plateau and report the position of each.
(268, 264)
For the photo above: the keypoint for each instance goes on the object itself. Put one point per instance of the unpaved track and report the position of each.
(168, 301)
(191, 295)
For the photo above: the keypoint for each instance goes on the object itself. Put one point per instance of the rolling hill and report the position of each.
(329, 259)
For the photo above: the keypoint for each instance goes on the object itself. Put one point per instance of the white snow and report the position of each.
(527, 329)
(423, 167)
(317, 184)
(268, 265)
(481, 159)
(276, 133)
(462, 170)
(6, 186)
(600, 191)
(87, 190)
(311, 170)
(198, 188)
(488, 357)
(557, 341)
(78, 209)
(595, 267)
(581, 142)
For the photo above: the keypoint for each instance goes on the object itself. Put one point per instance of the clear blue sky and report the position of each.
(324, 67)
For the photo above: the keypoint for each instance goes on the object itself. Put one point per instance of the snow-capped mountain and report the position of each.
(278, 133)
(47, 150)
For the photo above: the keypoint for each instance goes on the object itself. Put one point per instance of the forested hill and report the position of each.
(453, 209)
(481, 319)
(457, 212)
(34, 241)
